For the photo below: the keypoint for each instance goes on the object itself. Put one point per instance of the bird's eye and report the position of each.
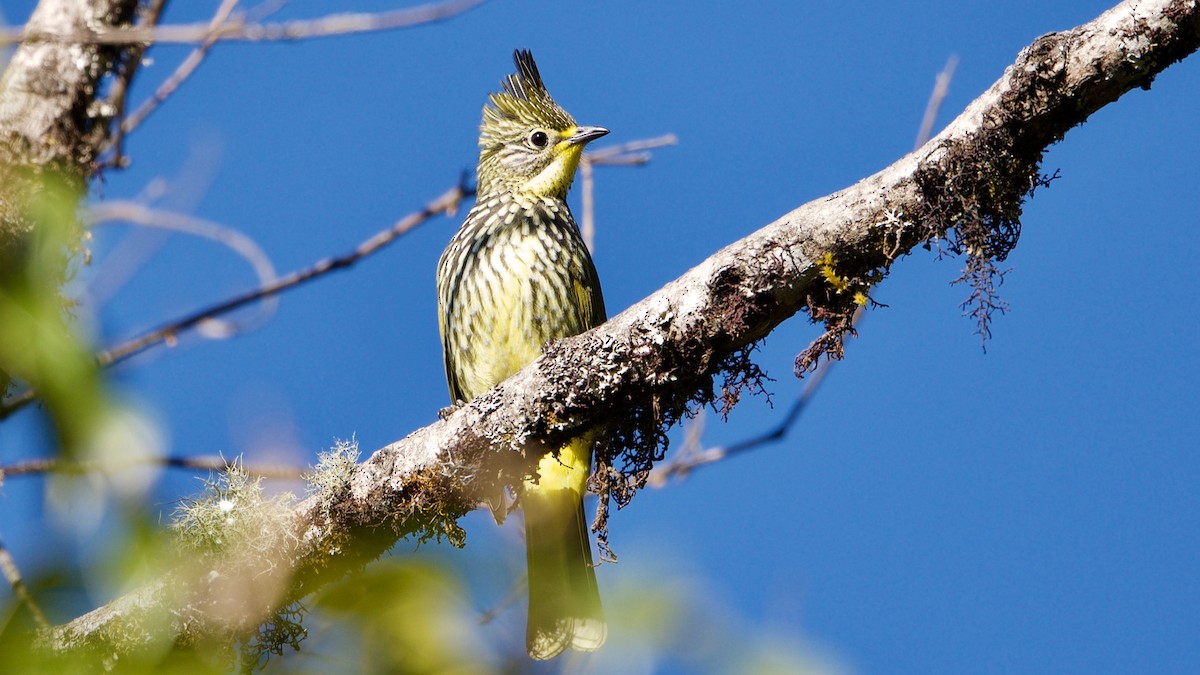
(539, 139)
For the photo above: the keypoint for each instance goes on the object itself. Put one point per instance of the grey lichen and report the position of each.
(331, 476)
(235, 518)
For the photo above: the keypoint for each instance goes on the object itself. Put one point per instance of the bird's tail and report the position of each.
(564, 601)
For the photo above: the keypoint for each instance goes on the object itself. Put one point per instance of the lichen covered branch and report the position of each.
(659, 359)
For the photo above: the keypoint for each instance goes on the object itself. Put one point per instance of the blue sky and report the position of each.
(1033, 508)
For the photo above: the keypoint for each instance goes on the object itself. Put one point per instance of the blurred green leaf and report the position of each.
(407, 617)
(37, 343)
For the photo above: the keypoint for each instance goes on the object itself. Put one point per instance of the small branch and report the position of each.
(36, 467)
(239, 243)
(633, 153)
(587, 220)
(15, 402)
(686, 462)
(118, 98)
(12, 574)
(169, 332)
(168, 87)
(692, 454)
(234, 29)
(941, 87)
(515, 595)
(446, 203)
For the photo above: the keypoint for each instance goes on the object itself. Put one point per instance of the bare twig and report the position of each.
(12, 574)
(446, 203)
(118, 97)
(140, 214)
(41, 466)
(235, 29)
(941, 87)
(168, 332)
(633, 153)
(587, 219)
(691, 453)
(15, 402)
(514, 595)
(168, 87)
(685, 462)
(263, 10)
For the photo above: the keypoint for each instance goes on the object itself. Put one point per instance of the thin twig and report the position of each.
(690, 454)
(244, 246)
(513, 596)
(168, 332)
(182, 73)
(633, 153)
(15, 402)
(686, 462)
(446, 203)
(941, 86)
(587, 224)
(118, 97)
(35, 467)
(13, 574)
(263, 10)
(234, 29)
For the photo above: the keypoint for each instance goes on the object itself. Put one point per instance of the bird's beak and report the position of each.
(586, 134)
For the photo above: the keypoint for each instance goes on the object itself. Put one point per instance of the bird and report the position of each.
(514, 277)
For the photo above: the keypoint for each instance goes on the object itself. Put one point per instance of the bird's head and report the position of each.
(528, 144)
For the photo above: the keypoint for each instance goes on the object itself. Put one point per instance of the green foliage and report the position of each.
(37, 344)
(403, 617)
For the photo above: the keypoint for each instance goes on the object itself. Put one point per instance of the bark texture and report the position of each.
(51, 119)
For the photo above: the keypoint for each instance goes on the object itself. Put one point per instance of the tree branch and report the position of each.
(12, 574)
(127, 123)
(445, 203)
(651, 361)
(48, 465)
(236, 29)
(47, 117)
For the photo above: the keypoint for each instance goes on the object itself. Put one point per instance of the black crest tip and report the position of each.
(527, 82)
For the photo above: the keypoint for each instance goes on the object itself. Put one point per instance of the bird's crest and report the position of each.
(524, 101)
